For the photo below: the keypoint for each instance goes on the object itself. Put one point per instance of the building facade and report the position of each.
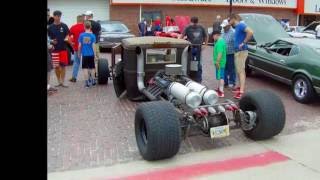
(130, 12)
(308, 11)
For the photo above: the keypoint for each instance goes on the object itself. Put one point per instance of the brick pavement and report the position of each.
(92, 127)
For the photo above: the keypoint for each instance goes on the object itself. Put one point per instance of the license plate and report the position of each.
(219, 132)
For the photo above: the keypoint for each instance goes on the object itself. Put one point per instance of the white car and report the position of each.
(307, 32)
(295, 28)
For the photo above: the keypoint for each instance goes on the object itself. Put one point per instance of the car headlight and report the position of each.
(193, 100)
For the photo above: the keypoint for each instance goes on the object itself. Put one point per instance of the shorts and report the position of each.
(88, 62)
(219, 73)
(59, 58)
(240, 61)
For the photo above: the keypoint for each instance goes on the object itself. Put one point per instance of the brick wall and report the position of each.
(130, 14)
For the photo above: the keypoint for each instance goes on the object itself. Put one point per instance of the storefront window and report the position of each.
(152, 15)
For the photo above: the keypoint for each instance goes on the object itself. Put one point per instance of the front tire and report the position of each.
(302, 89)
(269, 111)
(157, 130)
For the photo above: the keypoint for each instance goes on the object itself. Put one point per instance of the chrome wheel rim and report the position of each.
(300, 88)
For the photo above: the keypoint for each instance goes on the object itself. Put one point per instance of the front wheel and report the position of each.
(157, 130)
(264, 114)
(302, 89)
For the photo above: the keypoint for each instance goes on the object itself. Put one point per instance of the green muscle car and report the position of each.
(294, 61)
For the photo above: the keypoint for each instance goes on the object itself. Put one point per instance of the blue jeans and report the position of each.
(230, 74)
(76, 65)
(199, 73)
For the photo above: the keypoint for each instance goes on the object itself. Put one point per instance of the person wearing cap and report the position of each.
(197, 35)
(75, 32)
(242, 36)
(59, 34)
(96, 30)
(219, 60)
(228, 36)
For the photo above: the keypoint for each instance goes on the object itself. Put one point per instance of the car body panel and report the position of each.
(265, 27)
(282, 57)
(295, 28)
(110, 36)
(307, 32)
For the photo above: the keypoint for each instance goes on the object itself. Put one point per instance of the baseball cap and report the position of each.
(224, 23)
(88, 13)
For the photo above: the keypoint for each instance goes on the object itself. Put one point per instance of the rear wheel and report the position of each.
(118, 79)
(264, 114)
(302, 89)
(103, 71)
(157, 130)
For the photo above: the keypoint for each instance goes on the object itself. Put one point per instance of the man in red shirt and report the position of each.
(75, 32)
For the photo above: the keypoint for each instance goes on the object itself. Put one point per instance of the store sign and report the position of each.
(312, 6)
(251, 3)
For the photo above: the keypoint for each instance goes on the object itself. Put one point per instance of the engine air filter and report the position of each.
(173, 69)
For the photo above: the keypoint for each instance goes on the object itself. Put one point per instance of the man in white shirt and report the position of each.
(318, 32)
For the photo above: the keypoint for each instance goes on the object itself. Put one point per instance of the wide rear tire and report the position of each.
(270, 113)
(157, 130)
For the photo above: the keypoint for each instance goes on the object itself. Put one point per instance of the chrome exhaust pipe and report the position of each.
(184, 60)
(141, 73)
(209, 97)
(184, 94)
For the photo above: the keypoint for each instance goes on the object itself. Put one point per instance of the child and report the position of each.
(86, 49)
(219, 59)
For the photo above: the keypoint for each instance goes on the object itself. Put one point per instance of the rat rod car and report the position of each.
(156, 69)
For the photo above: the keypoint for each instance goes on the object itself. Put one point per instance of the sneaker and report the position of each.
(220, 93)
(73, 80)
(87, 85)
(236, 90)
(52, 89)
(93, 82)
(238, 95)
(59, 85)
(231, 86)
(63, 85)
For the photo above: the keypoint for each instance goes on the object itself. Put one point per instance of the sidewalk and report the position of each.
(287, 157)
